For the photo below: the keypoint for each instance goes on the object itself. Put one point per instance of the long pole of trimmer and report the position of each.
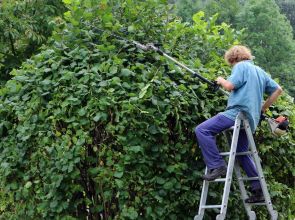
(158, 50)
(186, 68)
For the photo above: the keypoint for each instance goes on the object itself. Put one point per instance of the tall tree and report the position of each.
(186, 8)
(227, 9)
(288, 8)
(269, 35)
(24, 26)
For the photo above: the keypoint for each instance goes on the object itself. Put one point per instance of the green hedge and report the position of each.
(92, 127)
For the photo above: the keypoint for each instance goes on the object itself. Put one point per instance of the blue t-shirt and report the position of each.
(250, 83)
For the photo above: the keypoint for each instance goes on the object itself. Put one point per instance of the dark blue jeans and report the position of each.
(206, 132)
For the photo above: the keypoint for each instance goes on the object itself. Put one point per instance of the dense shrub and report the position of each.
(93, 127)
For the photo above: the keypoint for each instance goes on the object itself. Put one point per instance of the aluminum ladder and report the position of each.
(241, 122)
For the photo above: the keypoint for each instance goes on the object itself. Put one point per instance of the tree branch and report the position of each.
(12, 45)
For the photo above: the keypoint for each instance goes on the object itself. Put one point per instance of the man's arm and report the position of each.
(227, 85)
(271, 99)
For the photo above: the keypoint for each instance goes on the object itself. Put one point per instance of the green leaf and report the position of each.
(53, 204)
(103, 83)
(113, 70)
(115, 80)
(119, 183)
(82, 112)
(144, 90)
(100, 117)
(135, 149)
(67, 2)
(118, 174)
(131, 28)
(160, 180)
(168, 185)
(28, 184)
(130, 213)
(126, 72)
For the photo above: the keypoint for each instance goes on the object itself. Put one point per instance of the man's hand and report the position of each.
(219, 80)
(227, 85)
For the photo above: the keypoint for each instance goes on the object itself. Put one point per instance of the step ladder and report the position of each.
(241, 122)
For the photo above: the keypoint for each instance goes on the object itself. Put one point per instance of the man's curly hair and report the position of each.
(237, 53)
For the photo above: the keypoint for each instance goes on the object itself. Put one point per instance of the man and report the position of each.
(247, 84)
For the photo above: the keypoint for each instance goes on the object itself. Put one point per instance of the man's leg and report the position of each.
(205, 133)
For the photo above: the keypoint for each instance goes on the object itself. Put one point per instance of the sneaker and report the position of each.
(215, 173)
(257, 196)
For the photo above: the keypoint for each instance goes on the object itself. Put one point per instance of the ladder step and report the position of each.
(237, 154)
(225, 153)
(211, 206)
(258, 203)
(249, 178)
(233, 127)
(219, 180)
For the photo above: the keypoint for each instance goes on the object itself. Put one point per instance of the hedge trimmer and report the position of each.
(153, 47)
(278, 126)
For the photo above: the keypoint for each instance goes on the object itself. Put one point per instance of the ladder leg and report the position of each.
(203, 199)
(273, 213)
(229, 172)
(251, 214)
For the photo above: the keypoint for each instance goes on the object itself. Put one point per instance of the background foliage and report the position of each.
(92, 127)
(267, 30)
(288, 8)
(24, 27)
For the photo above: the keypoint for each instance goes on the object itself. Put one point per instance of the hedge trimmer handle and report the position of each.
(262, 116)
